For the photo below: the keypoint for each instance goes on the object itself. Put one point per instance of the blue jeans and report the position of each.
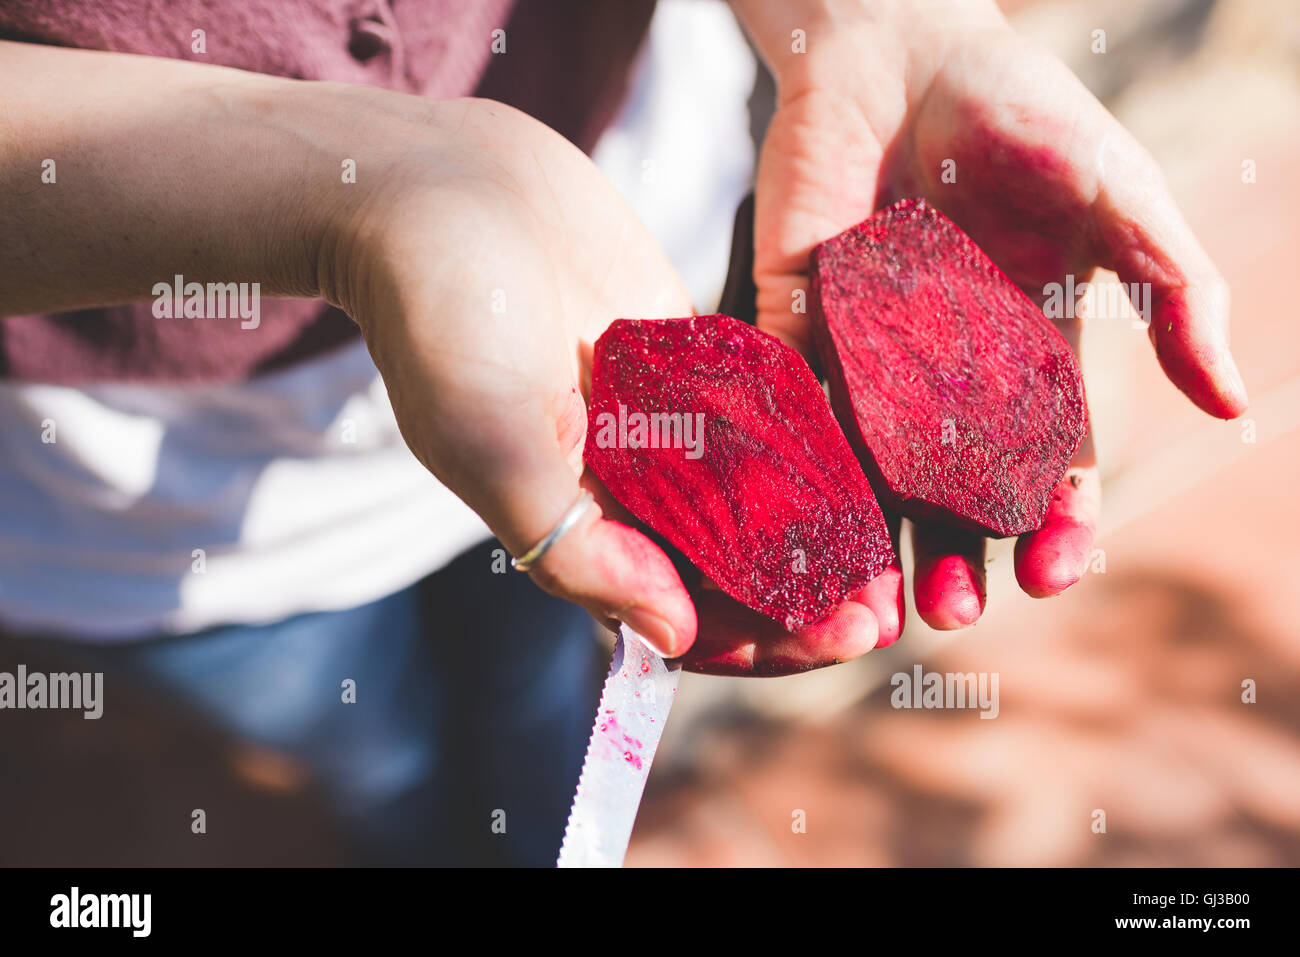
(474, 695)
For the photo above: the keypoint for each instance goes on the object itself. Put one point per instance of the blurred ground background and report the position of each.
(1124, 695)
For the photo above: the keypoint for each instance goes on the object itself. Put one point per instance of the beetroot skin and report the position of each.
(772, 504)
(964, 402)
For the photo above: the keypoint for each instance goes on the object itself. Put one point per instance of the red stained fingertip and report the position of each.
(949, 593)
(884, 596)
(1050, 560)
(1053, 558)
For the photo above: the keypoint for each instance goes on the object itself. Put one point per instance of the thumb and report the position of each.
(1145, 239)
(610, 569)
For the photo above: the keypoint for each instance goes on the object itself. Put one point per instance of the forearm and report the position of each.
(118, 172)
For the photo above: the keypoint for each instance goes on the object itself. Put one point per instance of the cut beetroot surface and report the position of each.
(755, 484)
(964, 402)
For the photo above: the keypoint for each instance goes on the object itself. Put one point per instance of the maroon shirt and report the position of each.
(566, 63)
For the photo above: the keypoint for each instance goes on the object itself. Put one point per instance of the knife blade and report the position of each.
(634, 705)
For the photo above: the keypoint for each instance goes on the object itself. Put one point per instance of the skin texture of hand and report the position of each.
(1047, 183)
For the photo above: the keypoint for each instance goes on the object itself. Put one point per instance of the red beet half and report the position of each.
(755, 484)
(964, 402)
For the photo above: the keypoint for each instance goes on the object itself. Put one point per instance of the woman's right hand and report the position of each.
(482, 255)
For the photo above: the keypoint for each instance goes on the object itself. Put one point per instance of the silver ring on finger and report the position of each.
(569, 519)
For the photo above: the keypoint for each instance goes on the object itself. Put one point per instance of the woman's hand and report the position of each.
(886, 97)
(482, 259)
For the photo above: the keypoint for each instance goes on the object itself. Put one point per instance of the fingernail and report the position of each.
(655, 631)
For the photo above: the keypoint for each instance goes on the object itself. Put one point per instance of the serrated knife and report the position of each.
(630, 718)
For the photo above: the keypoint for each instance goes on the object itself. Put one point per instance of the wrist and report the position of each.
(311, 131)
(829, 44)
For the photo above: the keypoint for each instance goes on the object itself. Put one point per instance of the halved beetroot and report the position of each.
(771, 505)
(964, 402)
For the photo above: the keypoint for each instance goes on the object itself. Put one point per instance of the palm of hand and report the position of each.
(1007, 142)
